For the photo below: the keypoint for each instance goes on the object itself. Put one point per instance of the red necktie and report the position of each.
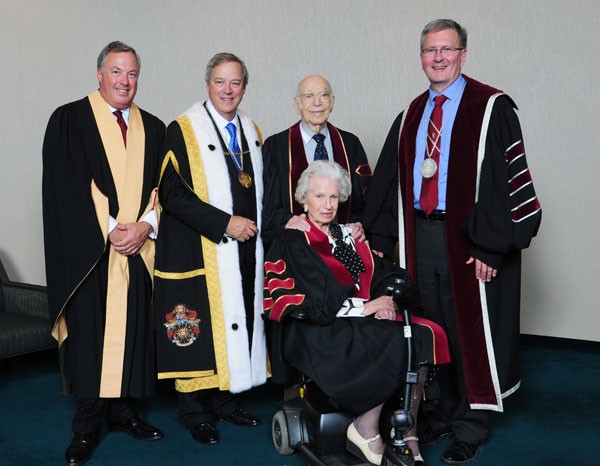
(122, 125)
(429, 186)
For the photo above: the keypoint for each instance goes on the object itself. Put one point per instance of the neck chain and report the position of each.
(238, 158)
(439, 133)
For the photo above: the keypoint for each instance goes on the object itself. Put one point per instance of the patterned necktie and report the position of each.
(122, 125)
(320, 151)
(429, 187)
(234, 148)
(346, 254)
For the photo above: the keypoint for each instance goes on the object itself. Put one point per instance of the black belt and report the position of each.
(436, 216)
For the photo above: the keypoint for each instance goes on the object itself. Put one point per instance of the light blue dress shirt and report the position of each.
(453, 93)
(310, 144)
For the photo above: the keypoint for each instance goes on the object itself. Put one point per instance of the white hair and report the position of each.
(324, 169)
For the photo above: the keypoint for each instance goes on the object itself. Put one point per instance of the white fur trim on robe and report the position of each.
(245, 370)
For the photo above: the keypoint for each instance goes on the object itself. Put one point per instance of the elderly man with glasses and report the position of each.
(288, 153)
(452, 186)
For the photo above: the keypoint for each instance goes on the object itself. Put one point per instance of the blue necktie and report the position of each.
(234, 148)
(320, 151)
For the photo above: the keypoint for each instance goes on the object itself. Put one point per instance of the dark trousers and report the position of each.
(90, 412)
(433, 277)
(247, 254)
(204, 406)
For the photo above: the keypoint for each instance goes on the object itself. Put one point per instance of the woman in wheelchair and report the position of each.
(347, 339)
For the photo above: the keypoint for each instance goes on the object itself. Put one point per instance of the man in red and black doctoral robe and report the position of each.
(288, 153)
(101, 158)
(465, 253)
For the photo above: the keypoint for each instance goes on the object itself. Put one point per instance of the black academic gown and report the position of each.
(359, 362)
(209, 332)
(77, 254)
(492, 214)
(285, 160)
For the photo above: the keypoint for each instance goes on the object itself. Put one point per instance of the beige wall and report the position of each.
(541, 52)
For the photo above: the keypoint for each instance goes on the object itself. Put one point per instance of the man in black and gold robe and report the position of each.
(100, 172)
(209, 257)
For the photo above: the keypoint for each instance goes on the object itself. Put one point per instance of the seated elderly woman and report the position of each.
(349, 343)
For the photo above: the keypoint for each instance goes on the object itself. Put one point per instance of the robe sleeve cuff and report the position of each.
(112, 224)
(489, 258)
(352, 307)
(383, 245)
(150, 218)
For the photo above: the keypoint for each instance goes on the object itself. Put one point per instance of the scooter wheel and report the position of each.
(280, 434)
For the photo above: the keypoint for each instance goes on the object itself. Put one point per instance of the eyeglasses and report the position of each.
(444, 51)
(321, 96)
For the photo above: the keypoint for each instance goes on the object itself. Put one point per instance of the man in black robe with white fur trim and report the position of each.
(209, 274)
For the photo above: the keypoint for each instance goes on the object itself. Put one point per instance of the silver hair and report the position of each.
(225, 57)
(116, 47)
(323, 169)
(442, 24)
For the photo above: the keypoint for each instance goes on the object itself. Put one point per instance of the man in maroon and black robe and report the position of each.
(288, 153)
(466, 253)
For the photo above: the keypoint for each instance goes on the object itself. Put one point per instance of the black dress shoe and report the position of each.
(431, 435)
(81, 448)
(205, 433)
(460, 452)
(137, 428)
(242, 418)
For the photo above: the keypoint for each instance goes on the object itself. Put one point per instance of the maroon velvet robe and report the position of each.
(284, 162)
(492, 213)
